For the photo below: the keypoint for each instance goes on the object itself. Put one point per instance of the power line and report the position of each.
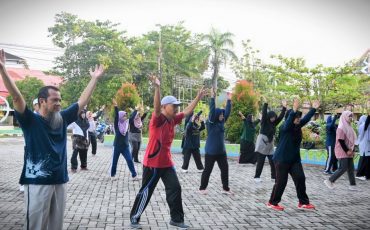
(29, 51)
(32, 47)
(39, 59)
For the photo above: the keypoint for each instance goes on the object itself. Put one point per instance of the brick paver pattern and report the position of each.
(96, 202)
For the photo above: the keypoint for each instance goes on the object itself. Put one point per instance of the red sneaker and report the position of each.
(306, 206)
(275, 207)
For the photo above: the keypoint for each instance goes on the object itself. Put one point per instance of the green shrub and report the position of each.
(244, 99)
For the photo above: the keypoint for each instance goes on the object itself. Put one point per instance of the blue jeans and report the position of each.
(127, 155)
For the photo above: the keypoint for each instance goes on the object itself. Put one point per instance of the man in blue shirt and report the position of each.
(44, 171)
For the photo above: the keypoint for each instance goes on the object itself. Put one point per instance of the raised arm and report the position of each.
(189, 128)
(190, 108)
(288, 124)
(212, 107)
(86, 94)
(367, 52)
(282, 113)
(264, 112)
(228, 106)
(241, 115)
(202, 126)
(115, 115)
(310, 114)
(144, 116)
(18, 101)
(132, 116)
(331, 125)
(157, 94)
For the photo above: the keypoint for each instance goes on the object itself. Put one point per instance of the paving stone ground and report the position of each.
(95, 202)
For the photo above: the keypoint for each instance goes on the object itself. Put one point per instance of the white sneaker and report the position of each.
(227, 192)
(200, 170)
(184, 170)
(136, 178)
(361, 177)
(257, 180)
(113, 178)
(329, 184)
(353, 188)
(203, 192)
(21, 188)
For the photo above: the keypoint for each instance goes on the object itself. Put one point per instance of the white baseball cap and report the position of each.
(36, 101)
(170, 100)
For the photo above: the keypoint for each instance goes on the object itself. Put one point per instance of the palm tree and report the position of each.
(219, 45)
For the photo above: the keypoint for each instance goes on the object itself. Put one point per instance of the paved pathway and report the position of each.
(95, 202)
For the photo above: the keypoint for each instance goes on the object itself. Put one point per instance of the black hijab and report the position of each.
(83, 122)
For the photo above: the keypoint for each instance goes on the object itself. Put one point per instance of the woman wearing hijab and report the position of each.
(120, 144)
(215, 150)
(80, 141)
(287, 158)
(136, 126)
(265, 140)
(192, 142)
(363, 169)
(247, 154)
(331, 130)
(344, 151)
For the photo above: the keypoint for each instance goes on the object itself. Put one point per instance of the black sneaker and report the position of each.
(135, 224)
(179, 225)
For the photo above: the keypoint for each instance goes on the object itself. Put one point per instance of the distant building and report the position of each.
(17, 69)
(18, 74)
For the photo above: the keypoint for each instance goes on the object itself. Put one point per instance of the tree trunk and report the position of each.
(214, 79)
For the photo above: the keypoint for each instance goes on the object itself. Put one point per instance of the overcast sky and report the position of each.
(329, 32)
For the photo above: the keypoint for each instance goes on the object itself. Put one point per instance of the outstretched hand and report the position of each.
(2, 58)
(284, 103)
(263, 99)
(316, 104)
(229, 95)
(241, 115)
(213, 92)
(97, 72)
(202, 92)
(154, 79)
(295, 104)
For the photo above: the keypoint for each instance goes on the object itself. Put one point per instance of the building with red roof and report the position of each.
(18, 74)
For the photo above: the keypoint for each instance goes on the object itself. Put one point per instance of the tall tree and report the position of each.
(250, 67)
(333, 86)
(183, 56)
(245, 100)
(219, 46)
(86, 44)
(29, 88)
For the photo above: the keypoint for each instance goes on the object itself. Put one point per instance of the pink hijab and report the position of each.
(137, 121)
(345, 125)
(122, 122)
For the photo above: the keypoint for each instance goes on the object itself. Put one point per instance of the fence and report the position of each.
(312, 156)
